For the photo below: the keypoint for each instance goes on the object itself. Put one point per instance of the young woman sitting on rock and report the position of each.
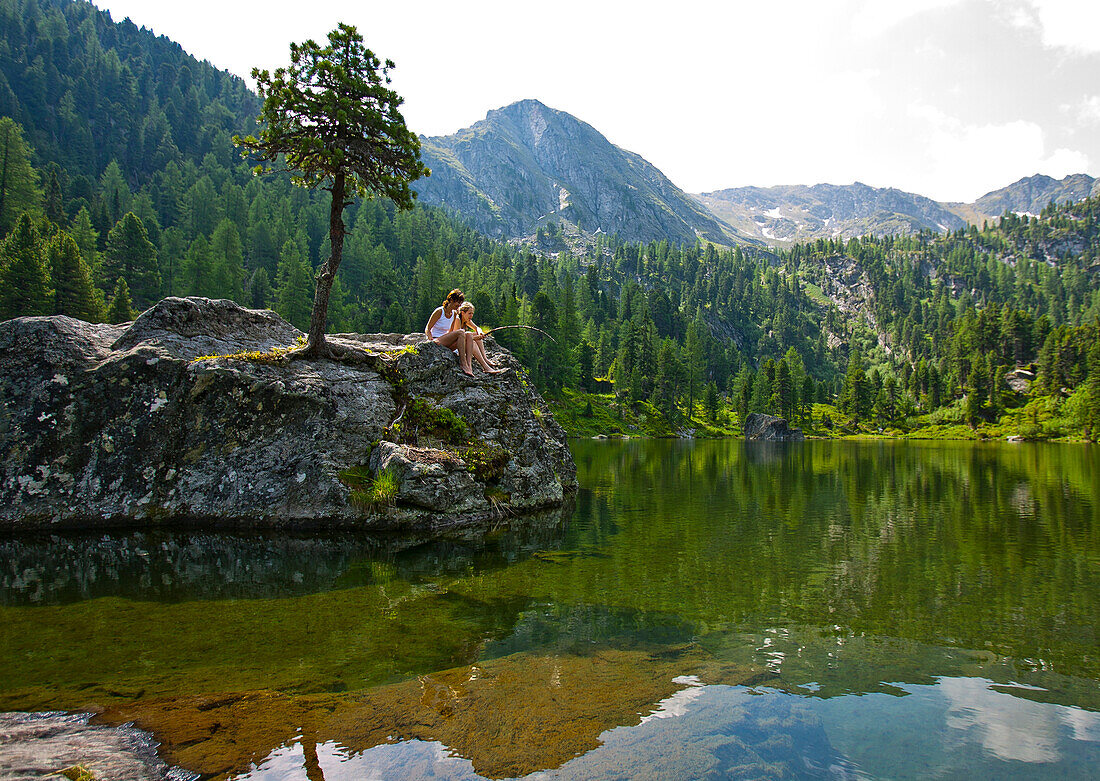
(443, 329)
(476, 336)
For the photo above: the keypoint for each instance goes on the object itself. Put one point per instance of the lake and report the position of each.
(707, 609)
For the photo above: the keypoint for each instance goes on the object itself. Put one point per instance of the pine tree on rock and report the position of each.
(74, 293)
(332, 118)
(25, 288)
(132, 256)
(121, 309)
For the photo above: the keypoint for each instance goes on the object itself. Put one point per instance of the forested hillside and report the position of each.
(119, 184)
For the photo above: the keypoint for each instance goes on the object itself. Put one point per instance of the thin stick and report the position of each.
(529, 327)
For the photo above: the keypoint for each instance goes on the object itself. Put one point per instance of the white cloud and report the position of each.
(874, 17)
(1087, 111)
(1068, 24)
(960, 156)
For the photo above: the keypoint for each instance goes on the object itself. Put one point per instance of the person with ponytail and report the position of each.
(443, 329)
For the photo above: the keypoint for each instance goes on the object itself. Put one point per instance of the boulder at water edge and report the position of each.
(130, 425)
(769, 428)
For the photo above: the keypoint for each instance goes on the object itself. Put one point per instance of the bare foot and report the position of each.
(495, 370)
(467, 372)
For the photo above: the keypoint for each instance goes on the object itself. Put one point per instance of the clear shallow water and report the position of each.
(708, 609)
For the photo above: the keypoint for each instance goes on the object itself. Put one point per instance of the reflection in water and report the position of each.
(689, 572)
(943, 730)
(174, 566)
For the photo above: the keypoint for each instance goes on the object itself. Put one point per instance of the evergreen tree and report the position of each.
(196, 275)
(743, 390)
(294, 287)
(330, 117)
(19, 188)
(258, 294)
(977, 390)
(74, 293)
(132, 256)
(87, 238)
(694, 361)
(670, 373)
(24, 277)
(396, 320)
(227, 262)
(54, 200)
(784, 390)
(762, 388)
(807, 398)
(583, 358)
(120, 310)
(710, 401)
(1092, 395)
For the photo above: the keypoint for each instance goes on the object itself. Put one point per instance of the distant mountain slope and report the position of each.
(799, 212)
(1032, 194)
(526, 163)
(786, 214)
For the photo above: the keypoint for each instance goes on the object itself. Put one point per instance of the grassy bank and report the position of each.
(1045, 418)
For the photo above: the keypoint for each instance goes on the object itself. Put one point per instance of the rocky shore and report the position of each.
(189, 416)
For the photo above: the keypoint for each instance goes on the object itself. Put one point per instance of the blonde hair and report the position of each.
(466, 306)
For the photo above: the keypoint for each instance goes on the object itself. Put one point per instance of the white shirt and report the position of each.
(443, 324)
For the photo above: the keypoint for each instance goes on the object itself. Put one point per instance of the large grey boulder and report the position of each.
(769, 428)
(131, 425)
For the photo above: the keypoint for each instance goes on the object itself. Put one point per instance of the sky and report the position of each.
(947, 98)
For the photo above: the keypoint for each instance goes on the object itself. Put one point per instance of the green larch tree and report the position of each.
(293, 287)
(20, 190)
(227, 261)
(25, 288)
(74, 293)
(132, 256)
(121, 310)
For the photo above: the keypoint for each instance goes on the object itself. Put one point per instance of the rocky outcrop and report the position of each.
(131, 425)
(769, 428)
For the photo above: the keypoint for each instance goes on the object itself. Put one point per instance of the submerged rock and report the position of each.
(769, 428)
(35, 745)
(129, 425)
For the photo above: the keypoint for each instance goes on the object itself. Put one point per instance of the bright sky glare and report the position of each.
(946, 98)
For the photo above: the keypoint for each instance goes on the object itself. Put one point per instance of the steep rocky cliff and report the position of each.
(525, 164)
(130, 425)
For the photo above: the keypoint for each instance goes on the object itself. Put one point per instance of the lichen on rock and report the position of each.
(110, 425)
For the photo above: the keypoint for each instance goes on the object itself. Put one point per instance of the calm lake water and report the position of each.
(706, 610)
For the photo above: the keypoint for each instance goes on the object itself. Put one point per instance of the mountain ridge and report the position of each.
(526, 167)
(785, 214)
(527, 164)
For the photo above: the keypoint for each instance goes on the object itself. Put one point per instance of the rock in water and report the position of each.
(40, 745)
(769, 428)
(128, 425)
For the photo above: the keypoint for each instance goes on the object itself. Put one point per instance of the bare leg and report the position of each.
(467, 353)
(479, 353)
(457, 340)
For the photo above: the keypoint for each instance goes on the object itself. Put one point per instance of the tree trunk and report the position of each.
(316, 346)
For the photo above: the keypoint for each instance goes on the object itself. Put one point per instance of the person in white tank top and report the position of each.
(442, 328)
